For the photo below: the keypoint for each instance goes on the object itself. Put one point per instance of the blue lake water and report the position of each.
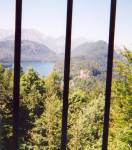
(42, 68)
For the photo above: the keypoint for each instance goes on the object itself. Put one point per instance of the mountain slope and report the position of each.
(29, 35)
(4, 34)
(91, 49)
(31, 51)
(56, 44)
(90, 57)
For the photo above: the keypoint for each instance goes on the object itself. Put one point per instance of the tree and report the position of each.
(46, 133)
(121, 112)
(6, 77)
(85, 121)
(32, 103)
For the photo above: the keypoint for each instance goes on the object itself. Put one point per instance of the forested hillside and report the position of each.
(41, 105)
(31, 51)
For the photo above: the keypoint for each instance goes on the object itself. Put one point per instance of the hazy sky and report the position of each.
(90, 18)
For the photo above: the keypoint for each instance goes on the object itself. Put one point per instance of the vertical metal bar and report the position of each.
(66, 74)
(109, 74)
(17, 60)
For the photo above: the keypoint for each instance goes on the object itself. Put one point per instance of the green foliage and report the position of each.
(41, 106)
(85, 121)
(5, 108)
(32, 103)
(46, 132)
(121, 110)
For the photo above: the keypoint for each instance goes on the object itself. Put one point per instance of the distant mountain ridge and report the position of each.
(29, 35)
(4, 34)
(38, 47)
(90, 49)
(89, 56)
(55, 44)
(31, 51)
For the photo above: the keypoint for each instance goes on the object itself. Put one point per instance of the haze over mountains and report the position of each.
(31, 51)
(55, 44)
(39, 47)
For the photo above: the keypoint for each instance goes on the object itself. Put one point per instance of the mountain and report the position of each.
(4, 34)
(56, 44)
(27, 34)
(91, 50)
(6, 51)
(35, 36)
(31, 51)
(90, 57)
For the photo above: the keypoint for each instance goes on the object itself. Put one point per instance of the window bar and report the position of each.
(66, 74)
(109, 74)
(17, 60)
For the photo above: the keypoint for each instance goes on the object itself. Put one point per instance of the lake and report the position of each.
(43, 68)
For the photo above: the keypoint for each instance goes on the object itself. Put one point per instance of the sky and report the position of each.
(90, 18)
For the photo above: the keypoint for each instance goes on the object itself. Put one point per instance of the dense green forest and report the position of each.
(41, 105)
